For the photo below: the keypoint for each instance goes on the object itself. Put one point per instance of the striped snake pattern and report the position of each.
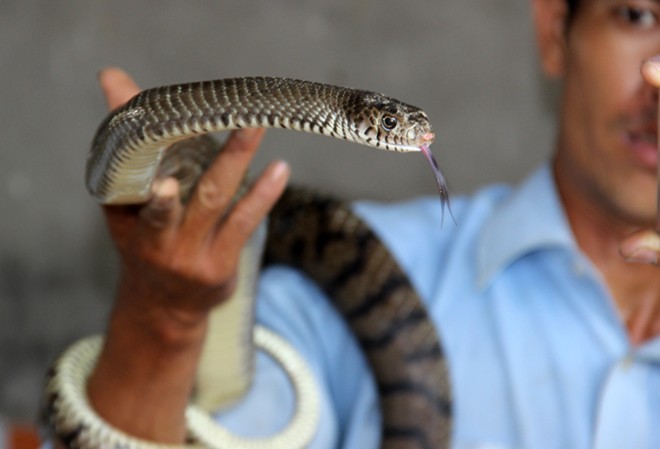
(324, 239)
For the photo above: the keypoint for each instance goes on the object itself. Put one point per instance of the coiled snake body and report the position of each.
(318, 235)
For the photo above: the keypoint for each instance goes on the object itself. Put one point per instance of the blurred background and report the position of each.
(471, 65)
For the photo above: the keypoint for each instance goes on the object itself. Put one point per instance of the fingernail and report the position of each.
(246, 134)
(166, 187)
(280, 170)
(651, 68)
(643, 255)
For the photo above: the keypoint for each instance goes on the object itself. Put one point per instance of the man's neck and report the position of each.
(635, 288)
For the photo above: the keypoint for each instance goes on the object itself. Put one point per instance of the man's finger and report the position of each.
(161, 216)
(642, 247)
(117, 86)
(251, 209)
(218, 185)
(651, 70)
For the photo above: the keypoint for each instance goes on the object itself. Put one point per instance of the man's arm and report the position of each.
(177, 263)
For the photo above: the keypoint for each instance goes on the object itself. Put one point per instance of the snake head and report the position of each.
(389, 124)
(383, 122)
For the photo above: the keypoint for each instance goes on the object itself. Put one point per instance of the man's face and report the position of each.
(608, 129)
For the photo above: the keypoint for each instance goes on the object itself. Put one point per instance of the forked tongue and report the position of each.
(440, 181)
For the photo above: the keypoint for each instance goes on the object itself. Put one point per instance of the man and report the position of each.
(549, 331)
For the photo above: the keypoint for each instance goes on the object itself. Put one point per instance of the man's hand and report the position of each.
(183, 259)
(177, 262)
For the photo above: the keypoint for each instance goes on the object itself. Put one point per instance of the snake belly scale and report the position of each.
(319, 236)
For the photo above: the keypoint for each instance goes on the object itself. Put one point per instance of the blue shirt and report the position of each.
(538, 354)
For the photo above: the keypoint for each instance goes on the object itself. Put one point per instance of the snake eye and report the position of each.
(389, 122)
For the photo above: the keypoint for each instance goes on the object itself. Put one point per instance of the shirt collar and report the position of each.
(530, 219)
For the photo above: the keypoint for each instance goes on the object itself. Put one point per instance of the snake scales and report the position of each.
(318, 235)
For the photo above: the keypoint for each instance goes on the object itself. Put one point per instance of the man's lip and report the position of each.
(644, 146)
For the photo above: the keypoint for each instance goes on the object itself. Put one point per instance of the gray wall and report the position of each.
(470, 64)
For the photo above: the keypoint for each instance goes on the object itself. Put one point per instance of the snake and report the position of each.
(312, 232)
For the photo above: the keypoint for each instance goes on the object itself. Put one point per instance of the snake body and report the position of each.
(320, 236)
(130, 143)
(323, 238)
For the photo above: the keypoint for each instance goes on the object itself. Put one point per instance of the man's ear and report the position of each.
(550, 20)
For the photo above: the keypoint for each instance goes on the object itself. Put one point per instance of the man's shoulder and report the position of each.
(411, 225)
